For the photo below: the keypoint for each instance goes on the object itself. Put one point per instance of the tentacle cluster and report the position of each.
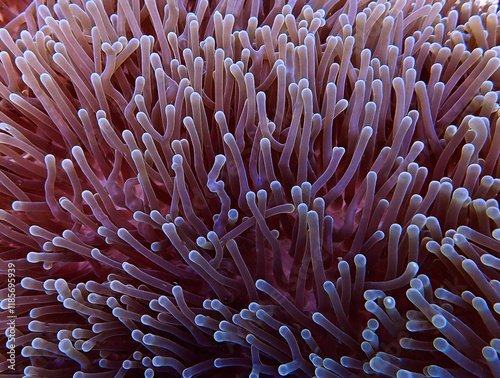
(254, 188)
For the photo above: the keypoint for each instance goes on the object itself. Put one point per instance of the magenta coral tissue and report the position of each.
(195, 188)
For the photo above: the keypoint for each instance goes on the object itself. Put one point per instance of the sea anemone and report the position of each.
(250, 188)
